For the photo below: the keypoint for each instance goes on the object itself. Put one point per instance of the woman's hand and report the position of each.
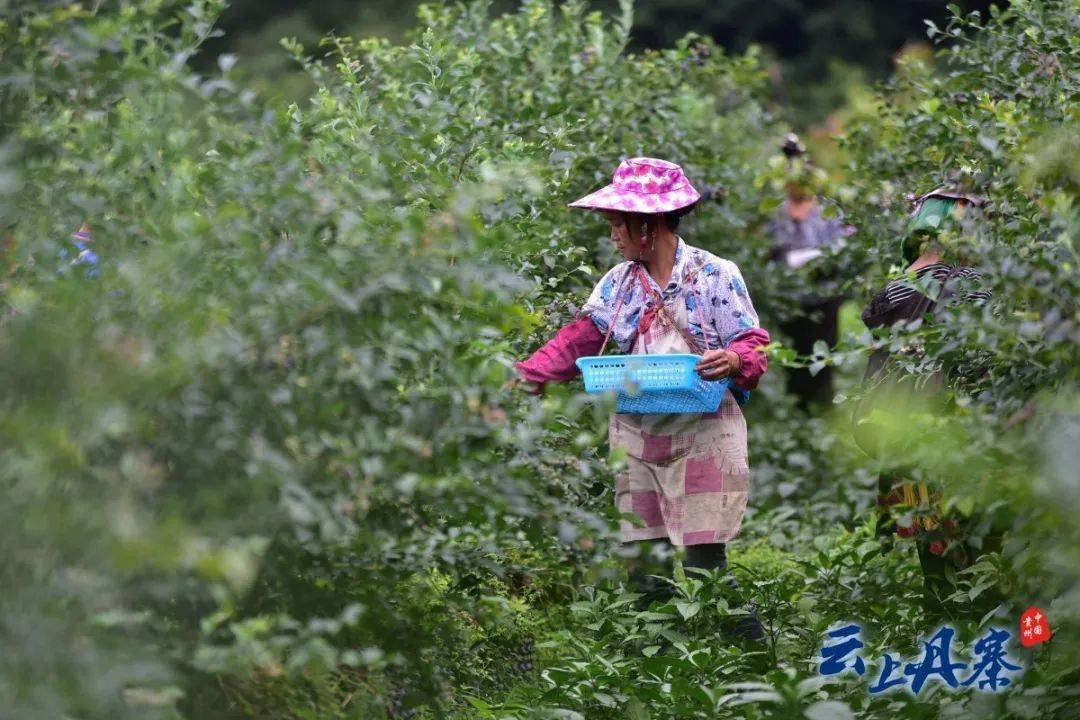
(716, 364)
(520, 383)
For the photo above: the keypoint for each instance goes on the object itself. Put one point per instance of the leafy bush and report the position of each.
(996, 119)
(261, 465)
(254, 442)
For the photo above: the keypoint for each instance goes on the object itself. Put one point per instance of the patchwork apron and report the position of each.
(686, 476)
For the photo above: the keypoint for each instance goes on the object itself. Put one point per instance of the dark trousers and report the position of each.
(657, 558)
(822, 322)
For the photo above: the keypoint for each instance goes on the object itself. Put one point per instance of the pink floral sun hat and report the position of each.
(643, 185)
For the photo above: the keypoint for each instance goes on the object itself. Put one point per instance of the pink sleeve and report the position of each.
(555, 361)
(754, 361)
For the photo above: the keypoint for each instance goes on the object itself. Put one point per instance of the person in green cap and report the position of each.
(932, 280)
(933, 212)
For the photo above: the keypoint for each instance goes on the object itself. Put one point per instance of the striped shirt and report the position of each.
(902, 289)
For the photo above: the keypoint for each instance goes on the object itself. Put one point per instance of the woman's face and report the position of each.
(627, 239)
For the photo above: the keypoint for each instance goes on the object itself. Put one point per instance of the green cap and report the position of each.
(932, 213)
(931, 216)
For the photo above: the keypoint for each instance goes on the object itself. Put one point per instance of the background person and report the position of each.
(934, 278)
(801, 232)
(83, 255)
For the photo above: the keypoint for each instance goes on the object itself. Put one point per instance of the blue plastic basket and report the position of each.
(652, 384)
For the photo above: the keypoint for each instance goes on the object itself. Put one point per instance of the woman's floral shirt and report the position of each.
(727, 311)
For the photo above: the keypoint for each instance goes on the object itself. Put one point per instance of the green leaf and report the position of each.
(687, 609)
(988, 142)
(637, 710)
(829, 710)
(477, 703)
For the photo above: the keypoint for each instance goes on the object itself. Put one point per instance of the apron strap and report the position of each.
(658, 302)
(660, 309)
(618, 306)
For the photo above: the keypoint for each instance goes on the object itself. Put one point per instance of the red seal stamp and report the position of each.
(1034, 627)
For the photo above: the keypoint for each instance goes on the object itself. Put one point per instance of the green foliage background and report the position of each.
(815, 51)
(263, 466)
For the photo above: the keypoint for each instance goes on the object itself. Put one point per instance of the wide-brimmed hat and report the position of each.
(82, 234)
(643, 185)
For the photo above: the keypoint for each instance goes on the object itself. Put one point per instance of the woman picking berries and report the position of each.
(686, 479)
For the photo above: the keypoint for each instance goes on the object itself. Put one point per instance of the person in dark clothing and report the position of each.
(931, 282)
(802, 230)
